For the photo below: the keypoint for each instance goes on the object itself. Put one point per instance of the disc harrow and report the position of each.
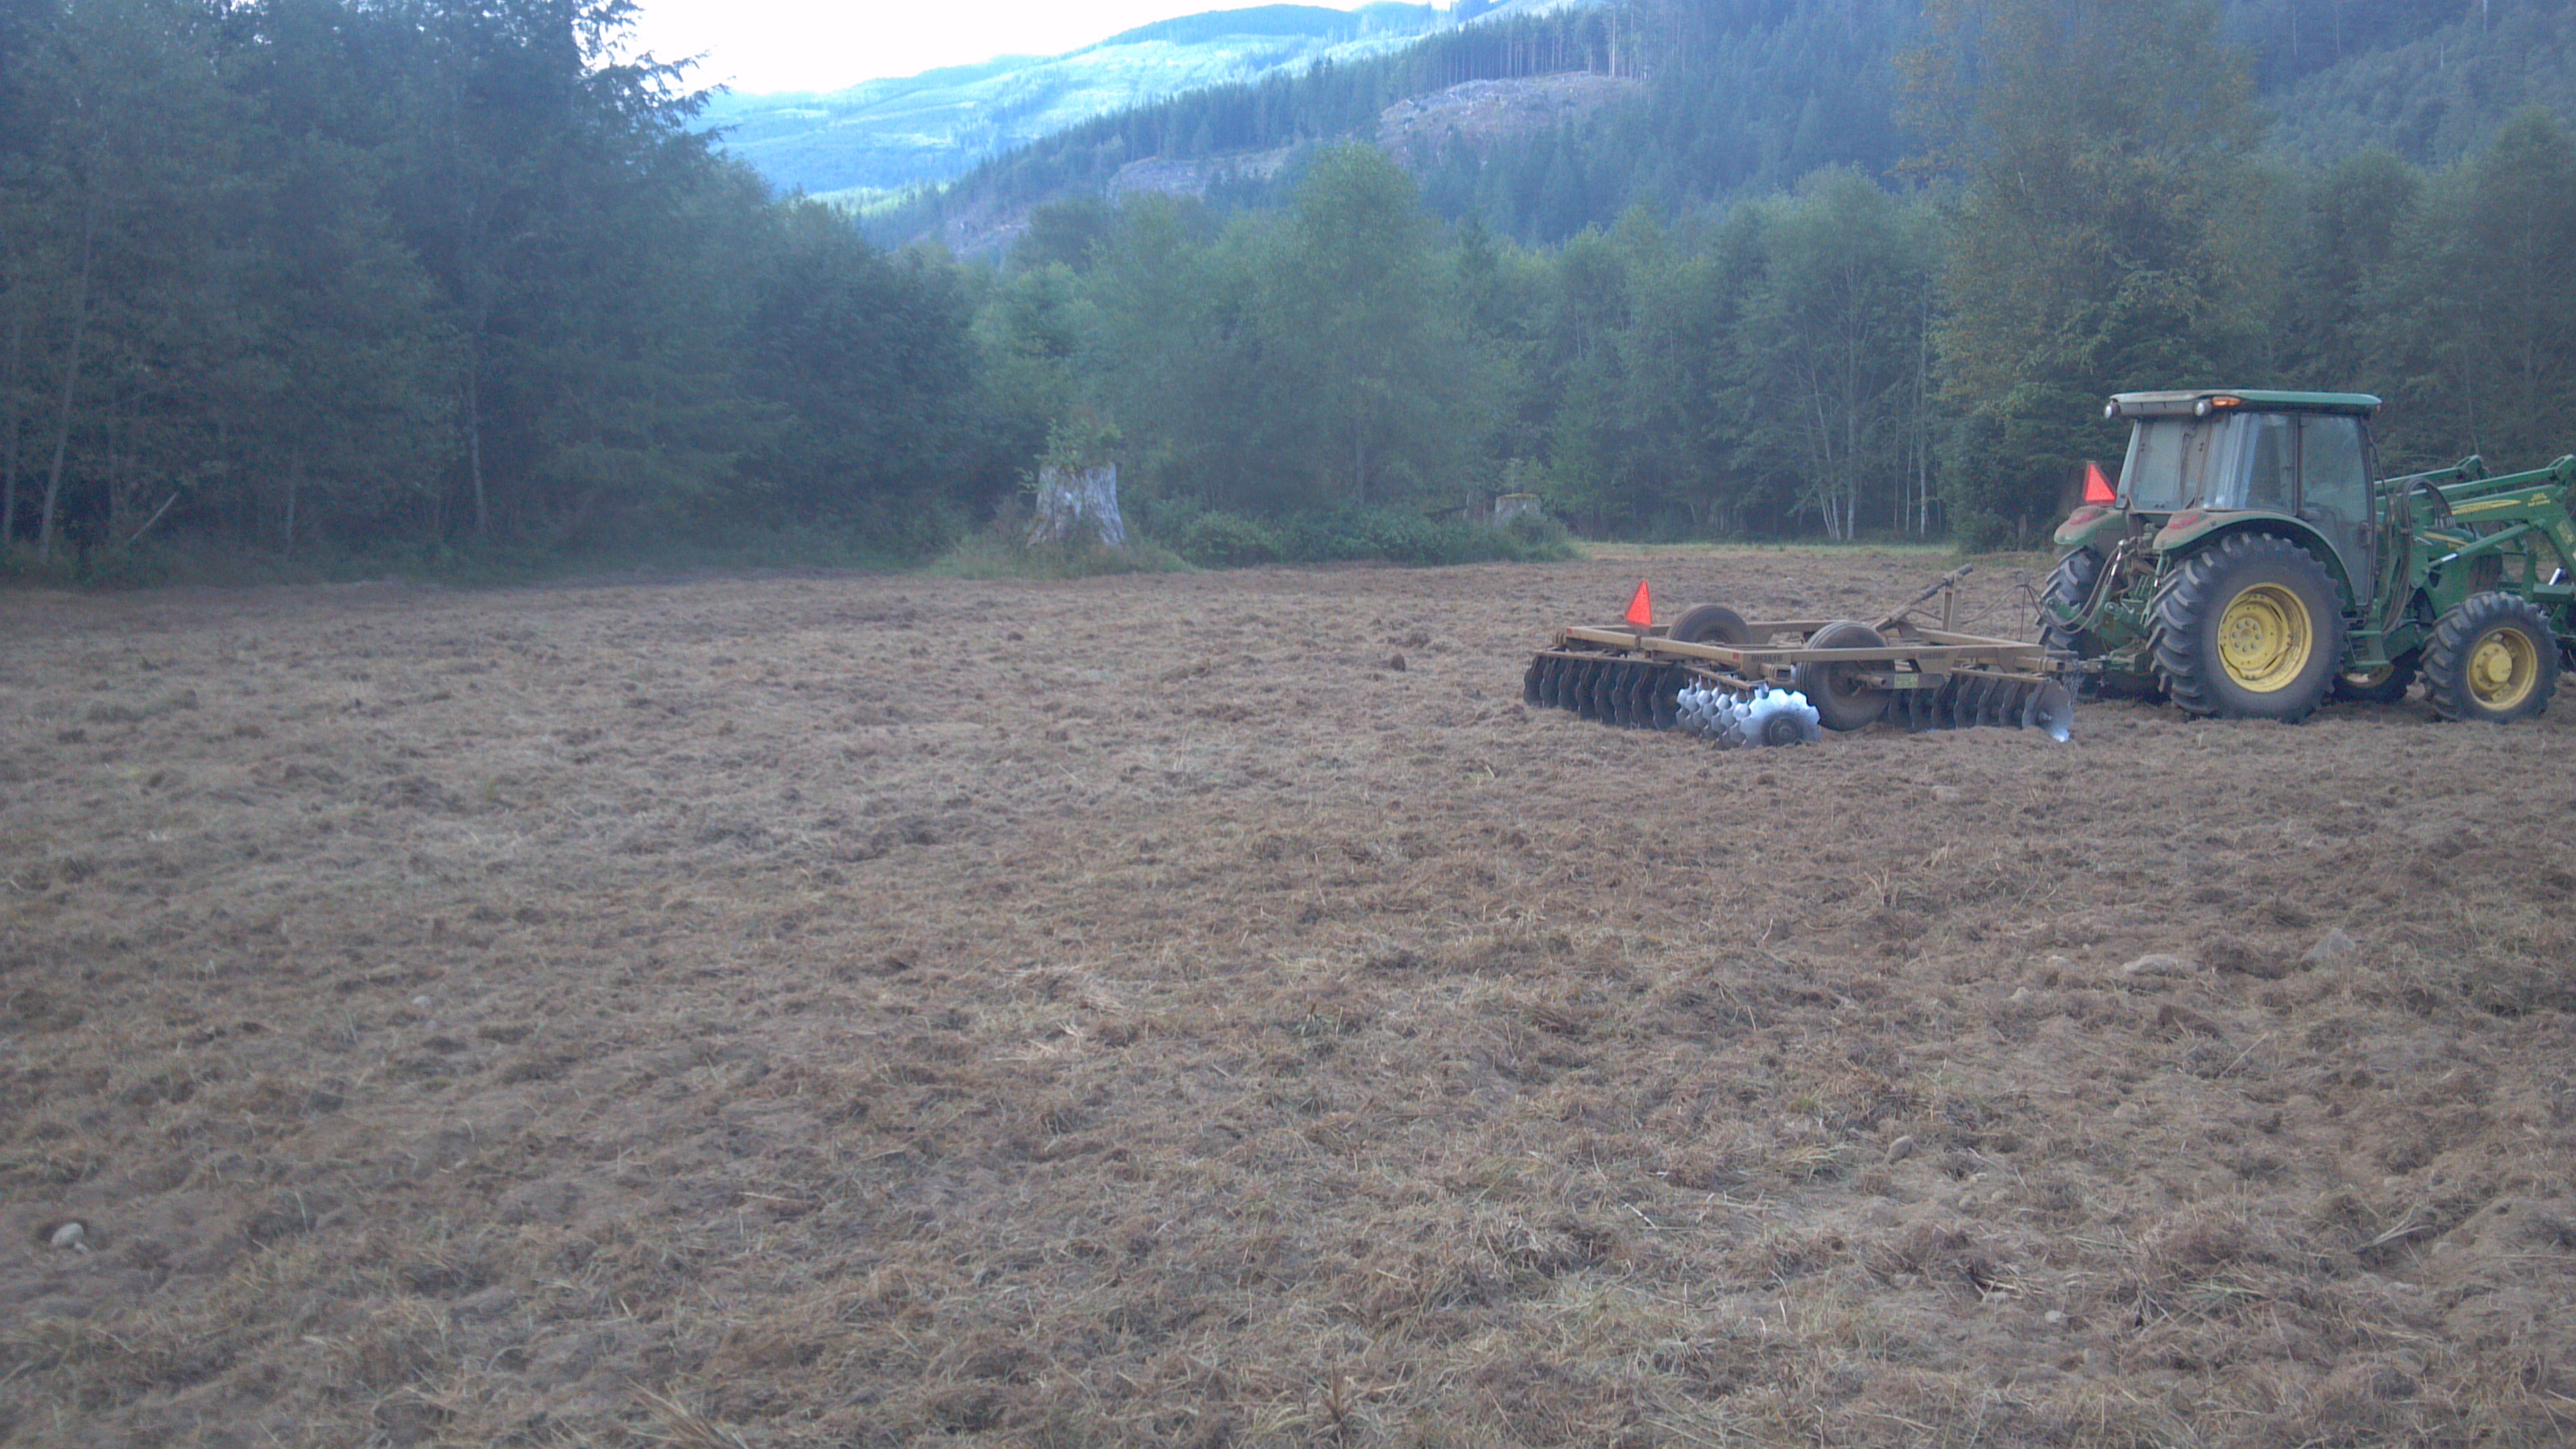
(1737, 684)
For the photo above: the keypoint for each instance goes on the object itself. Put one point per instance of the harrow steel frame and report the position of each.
(1926, 677)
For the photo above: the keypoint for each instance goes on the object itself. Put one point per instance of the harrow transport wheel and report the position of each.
(2493, 658)
(2248, 628)
(1710, 624)
(1841, 691)
(2385, 685)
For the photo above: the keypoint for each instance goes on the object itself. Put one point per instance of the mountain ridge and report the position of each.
(891, 133)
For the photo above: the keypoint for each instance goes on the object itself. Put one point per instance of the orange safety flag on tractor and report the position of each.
(1641, 607)
(2097, 489)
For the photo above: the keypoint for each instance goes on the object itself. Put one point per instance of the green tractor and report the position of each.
(2247, 566)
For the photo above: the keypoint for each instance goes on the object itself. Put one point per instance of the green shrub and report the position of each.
(1226, 540)
(1542, 536)
(1399, 536)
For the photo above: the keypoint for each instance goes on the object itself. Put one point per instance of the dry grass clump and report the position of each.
(1125, 1011)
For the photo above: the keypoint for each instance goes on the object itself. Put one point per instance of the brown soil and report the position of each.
(856, 1011)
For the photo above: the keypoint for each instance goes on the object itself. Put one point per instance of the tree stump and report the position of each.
(1078, 504)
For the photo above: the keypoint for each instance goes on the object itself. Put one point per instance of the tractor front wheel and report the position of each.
(2493, 658)
(2248, 628)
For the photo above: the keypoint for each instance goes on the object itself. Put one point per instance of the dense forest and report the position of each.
(310, 277)
(415, 283)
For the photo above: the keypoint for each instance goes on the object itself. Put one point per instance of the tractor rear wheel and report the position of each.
(2248, 628)
(1844, 697)
(2493, 658)
(2070, 586)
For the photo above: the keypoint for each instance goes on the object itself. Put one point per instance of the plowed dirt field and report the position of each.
(1212, 1010)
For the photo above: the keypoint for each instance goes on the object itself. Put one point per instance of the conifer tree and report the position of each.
(2099, 238)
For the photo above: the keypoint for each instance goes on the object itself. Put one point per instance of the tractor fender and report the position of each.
(2095, 526)
(2192, 529)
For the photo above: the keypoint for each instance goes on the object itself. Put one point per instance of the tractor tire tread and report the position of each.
(2446, 658)
(2182, 646)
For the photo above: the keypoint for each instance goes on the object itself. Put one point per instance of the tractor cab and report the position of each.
(2293, 463)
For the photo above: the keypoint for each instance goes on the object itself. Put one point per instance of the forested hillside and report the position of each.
(399, 276)
(302, 282)
(891, 133)
(1733, 98)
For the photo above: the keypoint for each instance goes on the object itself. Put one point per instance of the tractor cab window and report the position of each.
(2334, 487)
(2167, 459)
(2271, 451)
(2254, 463)
(2334, 476)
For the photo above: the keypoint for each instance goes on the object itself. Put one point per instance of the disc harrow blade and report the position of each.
(1633, 692)
(1964, 689)
(1918, 710)
(2016, 707)
(1780, 717)
(1636, 695)
(1587, 688)
(1662, 697)
(2052, 711)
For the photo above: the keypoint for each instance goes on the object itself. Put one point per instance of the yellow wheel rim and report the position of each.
(2264, 638)
(2503, 668)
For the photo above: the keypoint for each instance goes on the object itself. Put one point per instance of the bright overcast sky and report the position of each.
(821, 45)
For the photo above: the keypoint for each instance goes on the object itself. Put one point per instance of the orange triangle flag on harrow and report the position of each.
(2097, 489)
(1641, 607)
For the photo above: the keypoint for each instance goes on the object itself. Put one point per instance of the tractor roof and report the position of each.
(2201, 401)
